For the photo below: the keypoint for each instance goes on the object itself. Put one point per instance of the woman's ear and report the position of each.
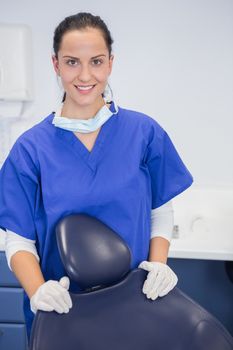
(55, 64)
(110, 63)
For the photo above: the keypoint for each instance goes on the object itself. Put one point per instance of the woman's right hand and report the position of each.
(52, 296)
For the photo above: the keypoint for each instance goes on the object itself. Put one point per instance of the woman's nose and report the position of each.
(85, 73)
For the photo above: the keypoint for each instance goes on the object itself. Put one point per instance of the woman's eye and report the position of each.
(97, 62)
(72, 62)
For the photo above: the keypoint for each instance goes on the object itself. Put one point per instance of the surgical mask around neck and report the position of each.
(83, 125)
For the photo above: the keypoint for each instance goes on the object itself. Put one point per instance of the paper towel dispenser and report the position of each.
(16, 55)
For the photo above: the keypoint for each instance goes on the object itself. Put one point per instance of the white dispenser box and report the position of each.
(16, 81)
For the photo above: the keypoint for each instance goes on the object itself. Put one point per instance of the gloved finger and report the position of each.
(149, 282)
(170, 286)
(146, 265)
(172, 282)
(65, 282)
(41, 305)
(167, 281)
(67, 299)
(153, 295)
(53, 289)
(160, 279)
(61, 295)
(164, 286)
(62, 304)
(58, 304)
(57, 293)
(151, 278)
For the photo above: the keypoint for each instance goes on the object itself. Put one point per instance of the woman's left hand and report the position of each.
(160, 279)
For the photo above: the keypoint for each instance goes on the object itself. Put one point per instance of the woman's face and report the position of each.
(84, 66)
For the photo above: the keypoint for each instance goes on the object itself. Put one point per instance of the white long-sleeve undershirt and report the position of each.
(162, 221)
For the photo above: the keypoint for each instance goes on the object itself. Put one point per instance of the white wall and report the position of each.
(173, 60)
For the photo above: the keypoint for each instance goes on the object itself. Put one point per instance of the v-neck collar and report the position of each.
(92, 157)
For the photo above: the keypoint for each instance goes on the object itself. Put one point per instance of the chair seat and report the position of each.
(120, 317)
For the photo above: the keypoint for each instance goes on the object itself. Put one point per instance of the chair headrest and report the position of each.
(93, 254)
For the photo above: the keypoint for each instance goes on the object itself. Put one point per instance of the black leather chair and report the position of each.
(111, 312)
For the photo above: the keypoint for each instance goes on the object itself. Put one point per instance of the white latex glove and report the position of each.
(160, 279)
(52, 296)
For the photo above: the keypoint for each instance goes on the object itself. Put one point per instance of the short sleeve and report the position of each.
(169, 175)
(18, 193)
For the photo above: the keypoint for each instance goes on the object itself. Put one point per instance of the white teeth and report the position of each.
(85, 87)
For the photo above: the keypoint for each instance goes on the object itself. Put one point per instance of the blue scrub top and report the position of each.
(49, 174)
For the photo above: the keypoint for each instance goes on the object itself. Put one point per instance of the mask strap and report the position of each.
(108, 94)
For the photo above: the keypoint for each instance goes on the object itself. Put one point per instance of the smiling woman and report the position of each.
(84, 64)
(92, 157)
(83, 60)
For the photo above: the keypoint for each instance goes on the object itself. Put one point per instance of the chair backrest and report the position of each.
(112, 313)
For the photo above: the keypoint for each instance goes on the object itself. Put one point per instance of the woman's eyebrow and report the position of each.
(76, 58)
(98, 56)
(67, 56)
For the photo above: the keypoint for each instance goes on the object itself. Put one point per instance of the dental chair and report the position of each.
(111, 312)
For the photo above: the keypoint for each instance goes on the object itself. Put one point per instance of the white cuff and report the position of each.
(162, 221)
(15, 243)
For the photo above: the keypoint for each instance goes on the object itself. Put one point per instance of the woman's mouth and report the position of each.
(84, 89)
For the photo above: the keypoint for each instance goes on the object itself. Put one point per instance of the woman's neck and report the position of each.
(75, 111)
